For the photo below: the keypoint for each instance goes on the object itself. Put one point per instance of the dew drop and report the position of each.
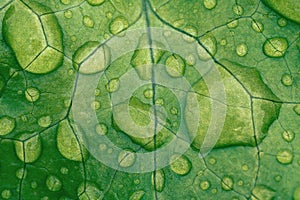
(118, 25)
(31, 146)
(95, 2)
(175, 66)
(7, 125)
(209, 42)
(6, 194)
(275, 47)
(238, 9)
(296, 109)
(241, 49)
(89, 191)
(44, 121)
(148, 93)
(233, 24)
(287, 80)
(53, 183)
(159, 180)
(227, 183)
(137, 195)
(113, 85)
(126, 158)
(281, 22)
(204, 185)
(101, 129)
(210, 4)
(32, 94)
(88, 21)
(68, 14)
(257, 26)
(288, 136)
(296, 194)
(285, 156)
(180, 164)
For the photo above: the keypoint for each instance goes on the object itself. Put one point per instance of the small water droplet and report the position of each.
(118, 25)
(53, 183)
(296, 109)
(241, 49)
(96, 105)
(263, 192)
(233, 24)
(102, 147)
(21, 173)
(33, 184)
(284, 156)
(278, 178)
(191, 30)
(137, 181)
(245, 167)
(7, 125)
(89, 191)
(180, 164)
(6, 194)
(159, 180)
(44, 121)
(296, 194)
(212, 161)
(209, 42)
(126, 158)
(108, 15)
(174, 111)
(95, 2)
(32, 94)
(205, 185)
(97, 92)
(223, 42)
(257, 26)
(88, 21)
(288, 135)
(281, 22)
(137, 195)
(148, 93)
(101, 129)
(238, 9)
(240, 182)
(68, 14)
(113, 85)
(178, 23)
(214, 190)
(190, 59)
(65, 2)
(287, 80)
(227, 183)
(275, 47)
(210, 4)
(64, 170)
(31, 146)
(159, 101)
(175, 66)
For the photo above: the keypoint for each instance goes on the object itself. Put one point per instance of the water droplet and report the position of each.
(90, 58)
(7, 125)
(190, 59)
(44, 121)
(148, 93)
(33, 184)
(68, 144)
(175, 66)
(212, 161)
(205, 185)
(113, 85)
(6, 194)
(278, 178)
(31, 146)
(21, 173)
(287, 80)
(88, 21)
(238, 9)
(209, 42)
(118, 25)
(126, 158)
(297, 109)
(89, 191)
(137, 181)
(281, 22)
(53, 183)
(223, 42)
(65, 2)
(263, 192)
(101, 129)
(96, 105)
(296, 194)
(241, 49)
(137, 195)
(159, 180)
(210, 4)
(180, 164)
(240, 182)
(64, 170)
(285, 156)
(95, 2)
(227, 183)
(32, 94)
(275, 47)
(191, 30)
(233, 24)
(214, 190)
(257, 26)
(288, 136)
(245, 167)
(68, 14)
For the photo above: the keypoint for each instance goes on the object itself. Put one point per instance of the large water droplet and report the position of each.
(87, 191)
(95, 2)
(6, 194)
(29, 150)
(227, 183)
(204, 185)
(32, 94)
(257, 26)
(288, 135)
(241, 49)
(126, 158)
(53, 183)
(7, 125)
(281, 22)
(44, 121)
(262, 192)
(275, 47)
(285, 156)
(180, 164)
(118, 25)
(159, 180)
(209, 42)
(210, 4)
(137, 195)
(68, 144)
(175, 66)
